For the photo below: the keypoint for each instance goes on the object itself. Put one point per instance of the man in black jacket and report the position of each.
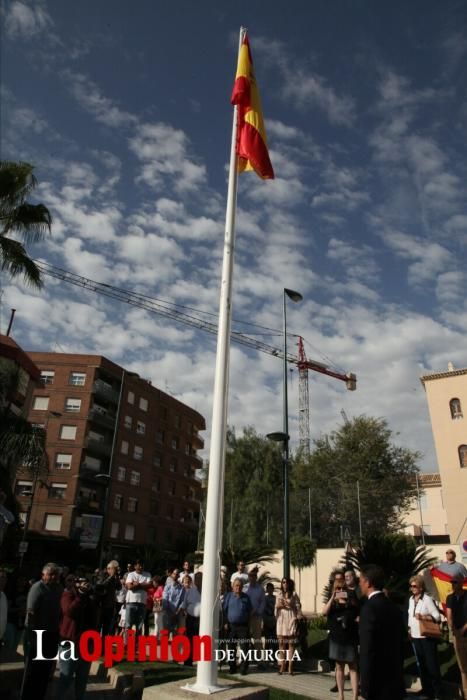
(382, 636)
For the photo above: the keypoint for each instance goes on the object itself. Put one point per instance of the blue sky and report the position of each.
(124, 109)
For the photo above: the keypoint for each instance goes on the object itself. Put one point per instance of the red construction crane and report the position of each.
(304, 365)
(180, 313)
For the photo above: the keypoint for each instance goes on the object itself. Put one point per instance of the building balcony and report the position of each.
(100, 447)
(88, 503)
(101, 416)
(106, 391)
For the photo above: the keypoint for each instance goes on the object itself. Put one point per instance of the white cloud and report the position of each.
(90, 98)
(163, 151)
(26, 21)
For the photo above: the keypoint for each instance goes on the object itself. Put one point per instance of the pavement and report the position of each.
(306, 682)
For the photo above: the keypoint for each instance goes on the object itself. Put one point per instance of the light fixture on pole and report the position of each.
(284, 435)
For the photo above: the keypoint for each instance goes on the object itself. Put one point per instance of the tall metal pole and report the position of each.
(294, 296)
(206, 671)
(285, 458)
(309, 511)
(420, 509)
(359, 514)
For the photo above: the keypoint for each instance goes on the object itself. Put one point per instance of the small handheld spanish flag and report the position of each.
(251, 147)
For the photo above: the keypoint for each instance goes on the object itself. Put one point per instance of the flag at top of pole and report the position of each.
(251, 147)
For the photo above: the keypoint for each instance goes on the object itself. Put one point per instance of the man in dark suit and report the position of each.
(382, 636)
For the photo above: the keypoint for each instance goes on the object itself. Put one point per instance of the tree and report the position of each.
(361, 451)
(399, 557)
(253, 492)
(21, 218)
(302, 554)
(21, 444)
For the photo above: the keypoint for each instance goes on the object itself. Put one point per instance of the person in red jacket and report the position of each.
(79, 614)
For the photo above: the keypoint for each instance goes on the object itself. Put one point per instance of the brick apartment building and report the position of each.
(122, 459)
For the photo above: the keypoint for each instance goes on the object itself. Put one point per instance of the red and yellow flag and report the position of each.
(442, 582)
(252, 147)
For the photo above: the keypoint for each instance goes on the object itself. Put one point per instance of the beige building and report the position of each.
(427, 518)
(446, 394)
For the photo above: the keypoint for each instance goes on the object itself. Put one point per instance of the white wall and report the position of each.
(313, 579)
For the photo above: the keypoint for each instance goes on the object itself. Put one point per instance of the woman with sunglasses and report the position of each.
(422, 607)
(342, 611)
(288, 611)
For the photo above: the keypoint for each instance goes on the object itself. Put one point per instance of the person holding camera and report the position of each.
(106, 588)
(79, 614)
(342, 610)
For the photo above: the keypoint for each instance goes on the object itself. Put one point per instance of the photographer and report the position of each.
(342, 610)
(107, 586)
(79, 614)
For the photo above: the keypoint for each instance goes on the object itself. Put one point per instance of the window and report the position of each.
(96, 437)
(73, 405)
(456, 409)
(52, 523)
(118, 501)
(47, 376)
(121, 473)
(164, 412)
(423, 502)
(188, 449)
(140, 427)
(130, 397)
(124, 447)
(173, 465)
(41, 403)
(129, 532)
(114, 530)
(177, 420)
(156, 485)
(128, 422)
(77, 379)
(189, 428)
(137, 452)
(132, 505)
(143, 404)
(68, 432)
(160, 436)
(463, 456)
(170, 511)
(92, 463)
(172, 487)
(157, 461)
(135, 478)
(22, 518)
(57, 491)
(62, 461)
(174, 443)
(23, 488)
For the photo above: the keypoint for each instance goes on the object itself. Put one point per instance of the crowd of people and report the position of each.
(367, 632)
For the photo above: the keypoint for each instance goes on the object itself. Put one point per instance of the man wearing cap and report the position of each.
(456, 610)
(451, 567)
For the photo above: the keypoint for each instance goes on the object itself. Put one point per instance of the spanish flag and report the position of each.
(251, 147)
(442, 582)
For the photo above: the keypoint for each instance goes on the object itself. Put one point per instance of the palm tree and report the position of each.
(397, 554)
(18, 217)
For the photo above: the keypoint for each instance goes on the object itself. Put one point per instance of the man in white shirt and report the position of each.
(137, 582)
(186, 572)
(241, 573)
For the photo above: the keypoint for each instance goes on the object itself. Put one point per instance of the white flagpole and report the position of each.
(206, 676)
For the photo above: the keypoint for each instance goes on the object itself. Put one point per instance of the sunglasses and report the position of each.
(413, 585)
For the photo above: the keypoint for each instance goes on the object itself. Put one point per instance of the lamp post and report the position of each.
(27, 521)
(284, 436)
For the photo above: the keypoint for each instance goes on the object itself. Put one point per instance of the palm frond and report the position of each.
(30, 221)
(15, 261)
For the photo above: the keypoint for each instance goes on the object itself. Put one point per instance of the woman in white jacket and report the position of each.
(422, 607)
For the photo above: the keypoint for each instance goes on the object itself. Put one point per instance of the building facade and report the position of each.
(446, 394)
(427, 518)
(122, 458)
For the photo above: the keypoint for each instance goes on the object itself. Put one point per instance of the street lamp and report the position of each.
(27, 521)
(284, 436)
